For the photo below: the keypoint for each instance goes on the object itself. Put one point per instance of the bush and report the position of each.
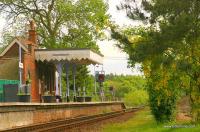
(162, 106)
(136, 98)
(163, 92)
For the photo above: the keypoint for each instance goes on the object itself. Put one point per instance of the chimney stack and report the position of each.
(32, 33)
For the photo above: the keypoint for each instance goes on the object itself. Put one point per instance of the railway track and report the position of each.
(71, 123)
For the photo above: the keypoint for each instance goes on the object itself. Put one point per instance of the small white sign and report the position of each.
(21, 65)
(57, 74)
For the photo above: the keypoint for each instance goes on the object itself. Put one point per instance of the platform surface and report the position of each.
(64, 103)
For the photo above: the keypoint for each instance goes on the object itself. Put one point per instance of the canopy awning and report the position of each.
(78, 56)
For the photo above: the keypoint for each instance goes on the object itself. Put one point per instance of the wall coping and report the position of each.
(17, 107)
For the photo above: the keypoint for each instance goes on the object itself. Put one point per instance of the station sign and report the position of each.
(21, 65)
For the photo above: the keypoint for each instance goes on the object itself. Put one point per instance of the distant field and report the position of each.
(143, 121)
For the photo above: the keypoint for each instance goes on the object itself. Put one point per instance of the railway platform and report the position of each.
(23, 114)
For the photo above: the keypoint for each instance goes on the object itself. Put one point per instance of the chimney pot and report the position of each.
(32, 33)
(32, 25)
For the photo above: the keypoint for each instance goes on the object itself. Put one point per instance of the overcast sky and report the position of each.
(115, 60)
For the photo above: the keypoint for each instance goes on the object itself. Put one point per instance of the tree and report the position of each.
(158, 69)
(171, 39)
(123, 85)
(61, 23)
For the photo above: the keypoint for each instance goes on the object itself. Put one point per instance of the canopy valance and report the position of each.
(77, 56)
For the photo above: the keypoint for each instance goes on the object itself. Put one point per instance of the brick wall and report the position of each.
(27, 114)
(30, 66)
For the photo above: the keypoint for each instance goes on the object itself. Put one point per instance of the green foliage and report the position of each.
(7, 39)
(172, 38)
(83, 79)
(131, 89)
(136, 98)
(96, 98)
(60, 23)
(124, 84)
(161, 84)
(1, 49)
(163, 94)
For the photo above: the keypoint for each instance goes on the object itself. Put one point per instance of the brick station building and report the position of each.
(23, 60)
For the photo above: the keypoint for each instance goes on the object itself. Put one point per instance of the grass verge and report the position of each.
(143, 121)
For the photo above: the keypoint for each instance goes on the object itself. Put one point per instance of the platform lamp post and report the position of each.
(101, 79)
(20, 68)
(95, 83)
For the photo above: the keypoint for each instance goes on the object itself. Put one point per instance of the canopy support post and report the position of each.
(57, 75)
(58, 82)
(74, 80)
(95, 84)
(67, 81)
(60, 78)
